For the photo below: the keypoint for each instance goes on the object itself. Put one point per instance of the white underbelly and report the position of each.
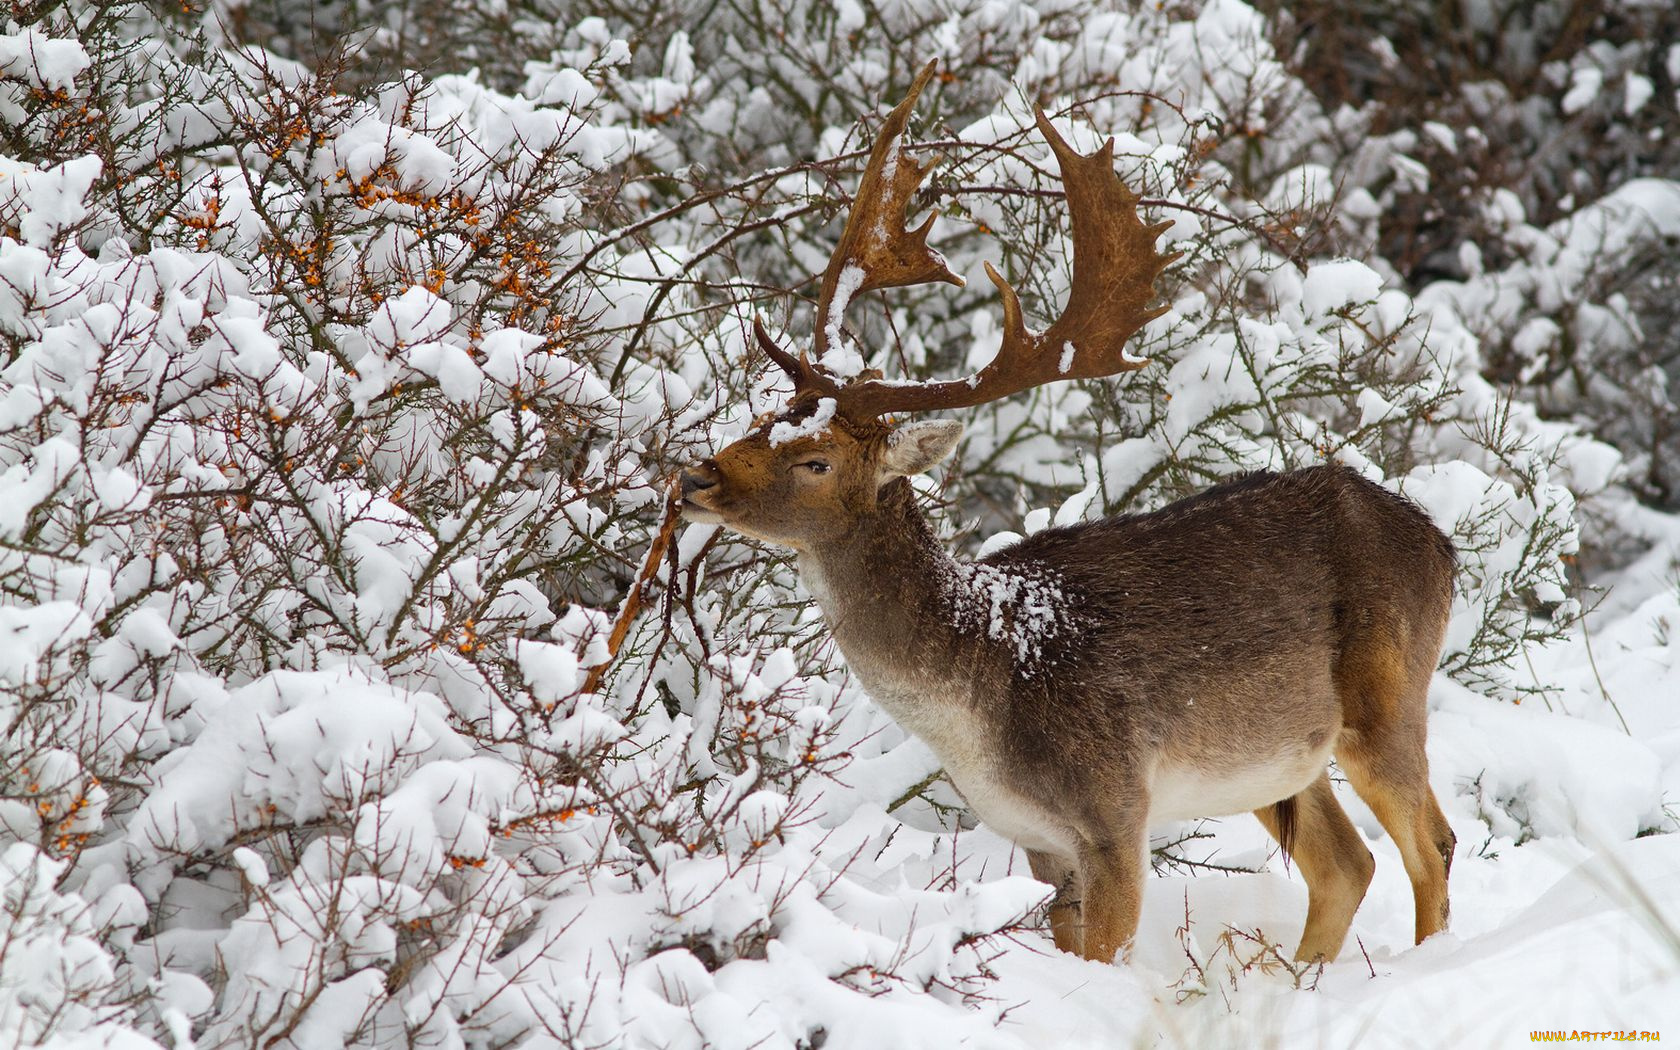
(964, 746)
(1017, 819)
(1181, 792)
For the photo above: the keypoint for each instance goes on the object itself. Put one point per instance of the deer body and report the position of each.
(1089, 681)
(1258, 605)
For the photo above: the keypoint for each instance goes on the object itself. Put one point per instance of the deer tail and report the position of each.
(1285, 812)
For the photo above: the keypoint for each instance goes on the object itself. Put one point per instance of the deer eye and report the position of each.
(815, 466)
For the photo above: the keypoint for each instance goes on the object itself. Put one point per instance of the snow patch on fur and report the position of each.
(1022, 608)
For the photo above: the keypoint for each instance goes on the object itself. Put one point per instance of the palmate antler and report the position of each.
(1114, 269)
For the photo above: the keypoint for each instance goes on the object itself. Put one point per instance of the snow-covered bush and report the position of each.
(1511, 146)
(321, 487)
(359, 686)
(57, 975)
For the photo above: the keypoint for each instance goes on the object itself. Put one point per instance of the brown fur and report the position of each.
(1194, 659)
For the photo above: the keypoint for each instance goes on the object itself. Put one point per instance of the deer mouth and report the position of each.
(697, 513)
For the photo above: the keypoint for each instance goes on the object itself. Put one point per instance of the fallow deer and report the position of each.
(1091, 680)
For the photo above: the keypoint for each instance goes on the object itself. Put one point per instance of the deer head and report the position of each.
(802, 476)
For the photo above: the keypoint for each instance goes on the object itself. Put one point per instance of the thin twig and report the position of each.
(632, 606)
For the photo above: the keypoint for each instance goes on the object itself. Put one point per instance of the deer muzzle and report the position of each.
(696, 483)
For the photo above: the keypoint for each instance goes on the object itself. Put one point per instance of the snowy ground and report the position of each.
(1549, 935)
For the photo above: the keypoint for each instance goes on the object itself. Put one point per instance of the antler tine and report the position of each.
(875, 249)
(1114, 269)
(806, 376)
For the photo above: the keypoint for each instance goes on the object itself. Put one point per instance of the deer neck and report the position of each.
(886, 590)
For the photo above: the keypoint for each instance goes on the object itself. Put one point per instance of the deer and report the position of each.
(1205, 659)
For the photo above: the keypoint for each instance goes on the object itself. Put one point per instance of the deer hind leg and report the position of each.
(1391, 773)
(1333, 859)
(1384, 686)
(1064, 906)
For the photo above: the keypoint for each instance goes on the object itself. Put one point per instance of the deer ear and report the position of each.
(917, 447)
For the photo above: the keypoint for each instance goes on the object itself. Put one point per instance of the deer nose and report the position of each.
(698, 477)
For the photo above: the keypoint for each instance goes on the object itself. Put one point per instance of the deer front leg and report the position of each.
(1112, 875)
(1064, 906)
